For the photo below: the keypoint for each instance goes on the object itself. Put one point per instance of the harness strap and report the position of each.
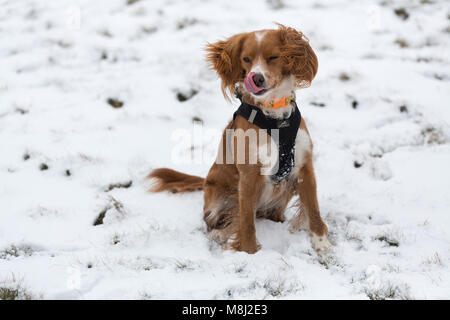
(287, 132)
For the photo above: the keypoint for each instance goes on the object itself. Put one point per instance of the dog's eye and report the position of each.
(246, 59)
(272, 58)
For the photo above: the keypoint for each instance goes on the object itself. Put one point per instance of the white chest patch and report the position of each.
(268, 155)
(303, 148)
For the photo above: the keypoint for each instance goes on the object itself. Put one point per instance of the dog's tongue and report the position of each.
(250, 84)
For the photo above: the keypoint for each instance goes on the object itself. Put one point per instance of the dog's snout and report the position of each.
(258, 79)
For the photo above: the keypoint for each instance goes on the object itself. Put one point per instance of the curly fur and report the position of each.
(299, 58)
(298, 55)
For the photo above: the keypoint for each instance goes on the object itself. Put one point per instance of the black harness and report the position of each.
(287, 130)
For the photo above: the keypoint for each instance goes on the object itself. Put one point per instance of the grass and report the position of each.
(115, 103)
(14, 294)
(116, 239)
(13, 289)
(274, 288)
(124, 185)
(184, 96)
(278, 288)
(402, 43)
(344, 76)
(185, 22)
(389, 291)
(112, 204)
(271, 287)
(391, 242)
(276, 4)
(16, 251)
(433, 135)
(184, 265)
(435, 260)
(402, 13)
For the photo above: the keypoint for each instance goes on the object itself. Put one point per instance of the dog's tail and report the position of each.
(174, 181)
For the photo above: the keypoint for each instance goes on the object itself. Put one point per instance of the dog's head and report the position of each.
(263, 61)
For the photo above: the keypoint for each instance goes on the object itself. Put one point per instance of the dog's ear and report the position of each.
(224, 58)
(298, 56)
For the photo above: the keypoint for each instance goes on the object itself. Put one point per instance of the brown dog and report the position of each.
(263, 68)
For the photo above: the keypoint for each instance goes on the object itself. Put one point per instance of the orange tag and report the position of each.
(283, 102)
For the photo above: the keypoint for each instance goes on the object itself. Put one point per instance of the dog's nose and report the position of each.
(258, 79)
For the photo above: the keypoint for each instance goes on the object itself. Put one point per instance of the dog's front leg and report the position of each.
(309, 208)
(250, 182)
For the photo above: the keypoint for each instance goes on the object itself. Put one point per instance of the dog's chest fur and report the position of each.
(274, 195)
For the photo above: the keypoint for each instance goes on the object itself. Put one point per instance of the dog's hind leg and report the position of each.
(220, 220)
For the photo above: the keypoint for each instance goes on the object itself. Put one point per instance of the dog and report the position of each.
(263, 69)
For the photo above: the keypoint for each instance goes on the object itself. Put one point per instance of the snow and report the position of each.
(60, 61)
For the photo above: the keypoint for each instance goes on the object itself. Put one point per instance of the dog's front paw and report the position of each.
(321, 243)
(249, 247)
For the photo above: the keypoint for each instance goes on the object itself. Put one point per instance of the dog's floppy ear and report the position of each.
(224, 58)
(299, 58)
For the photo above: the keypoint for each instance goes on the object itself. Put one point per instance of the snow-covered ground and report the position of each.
(378, 112)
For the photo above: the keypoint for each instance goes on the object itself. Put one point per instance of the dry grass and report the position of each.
(13, 289)
(389, 292)
(14, 294)
(14, 251)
